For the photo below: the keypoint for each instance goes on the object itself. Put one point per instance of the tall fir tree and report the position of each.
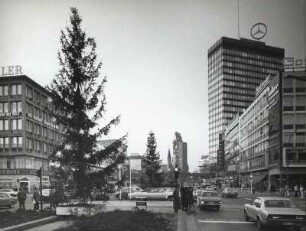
(152, 163)
(77, 94)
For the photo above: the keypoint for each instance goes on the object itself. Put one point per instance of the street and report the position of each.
(230, 216)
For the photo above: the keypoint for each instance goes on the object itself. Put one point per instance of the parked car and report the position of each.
(153, 194)
(11, 192)
(274, 212)
(229, 192)
(125, 192)
(209, 199)
(210, 187)
(6, 200)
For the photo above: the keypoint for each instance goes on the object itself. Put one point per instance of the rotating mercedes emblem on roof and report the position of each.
(258, 31)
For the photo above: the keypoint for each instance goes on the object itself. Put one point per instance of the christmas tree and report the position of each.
(77, 94)
(152, 163)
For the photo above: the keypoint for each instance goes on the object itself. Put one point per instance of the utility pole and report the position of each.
(39, 174)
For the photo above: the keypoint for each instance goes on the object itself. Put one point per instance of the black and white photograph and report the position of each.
(152, 115)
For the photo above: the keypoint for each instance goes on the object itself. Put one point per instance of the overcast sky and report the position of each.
(154, 54)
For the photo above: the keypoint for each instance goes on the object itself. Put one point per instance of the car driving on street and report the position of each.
(209, 199)
(229, 192)
(153, 194)
(274, 212)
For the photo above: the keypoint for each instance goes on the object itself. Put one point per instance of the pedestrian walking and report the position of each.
(21, 196)
(176, 200)
(302, 191)
(52, 199)
(287, 192)
(296, 190)
(35, 199)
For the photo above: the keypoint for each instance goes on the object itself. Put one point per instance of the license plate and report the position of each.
(288, 223)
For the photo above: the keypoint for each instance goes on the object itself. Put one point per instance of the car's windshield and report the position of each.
(209, 194)
(279, 204)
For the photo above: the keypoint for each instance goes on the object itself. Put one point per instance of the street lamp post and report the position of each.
(120, 169)
(251, 179)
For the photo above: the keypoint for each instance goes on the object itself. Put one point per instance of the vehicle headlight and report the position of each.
(300, 217)
(202, 202)
(220, 202)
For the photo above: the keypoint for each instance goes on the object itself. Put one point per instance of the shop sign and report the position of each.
(294, 62)
(21, 172)
(11, 70)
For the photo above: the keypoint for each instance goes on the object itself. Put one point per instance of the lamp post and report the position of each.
(120, 172)
(251, 179)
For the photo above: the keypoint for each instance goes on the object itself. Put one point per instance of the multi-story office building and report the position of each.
(287, 133)
(28, 132)
(272, 133)
(254, 135)
(235, 69)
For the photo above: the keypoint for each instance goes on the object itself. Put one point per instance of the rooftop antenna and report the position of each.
(238, 21)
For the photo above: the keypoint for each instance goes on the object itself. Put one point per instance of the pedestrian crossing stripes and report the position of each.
(222, 221)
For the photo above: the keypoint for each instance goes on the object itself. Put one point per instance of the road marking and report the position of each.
(224, 221)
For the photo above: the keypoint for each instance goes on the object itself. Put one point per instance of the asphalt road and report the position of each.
(229, 217)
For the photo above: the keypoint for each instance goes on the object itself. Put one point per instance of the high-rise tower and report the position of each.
(235, 69)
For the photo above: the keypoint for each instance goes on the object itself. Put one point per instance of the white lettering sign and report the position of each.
(11, 70)
(294, 62)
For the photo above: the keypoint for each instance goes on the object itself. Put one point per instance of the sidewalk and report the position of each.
(186, 222)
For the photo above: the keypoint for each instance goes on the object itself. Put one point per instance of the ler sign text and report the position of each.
(11, 70)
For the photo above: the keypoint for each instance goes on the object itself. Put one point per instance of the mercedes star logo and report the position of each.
(258, 31)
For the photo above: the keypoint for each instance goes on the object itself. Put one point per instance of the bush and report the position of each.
(126, 221)
(21, 216)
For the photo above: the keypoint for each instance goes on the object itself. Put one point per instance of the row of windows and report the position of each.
(21, 162)
(35, 95)
(253, 56)
(43, 131)
(15, 144)
(16, 124)
(14, 107)
(15, 89)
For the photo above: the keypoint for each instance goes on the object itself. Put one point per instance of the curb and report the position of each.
(31, 224)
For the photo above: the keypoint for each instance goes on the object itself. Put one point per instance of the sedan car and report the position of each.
(229, 192)
(209, 199)
(153, 194)
(125, 192)
(274, 212)
(11, 192)
(7, 200)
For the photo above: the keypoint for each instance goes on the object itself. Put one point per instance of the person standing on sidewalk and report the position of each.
(302, 191)
(296, 191)
(21, 196)
(35, 199)
(176, 200)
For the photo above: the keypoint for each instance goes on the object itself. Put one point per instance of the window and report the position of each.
(16, 124)
(16, 89)
(4, 143)
(3, 163)
(3, 90)
(20, 162)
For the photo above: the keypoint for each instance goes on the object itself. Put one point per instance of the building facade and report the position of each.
(287, 138)
(254, 139)
(272, 134)
(235, 69)
(180, 153)
(28, 133)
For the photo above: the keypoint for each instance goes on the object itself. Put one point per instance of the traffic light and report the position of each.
(38, 173)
